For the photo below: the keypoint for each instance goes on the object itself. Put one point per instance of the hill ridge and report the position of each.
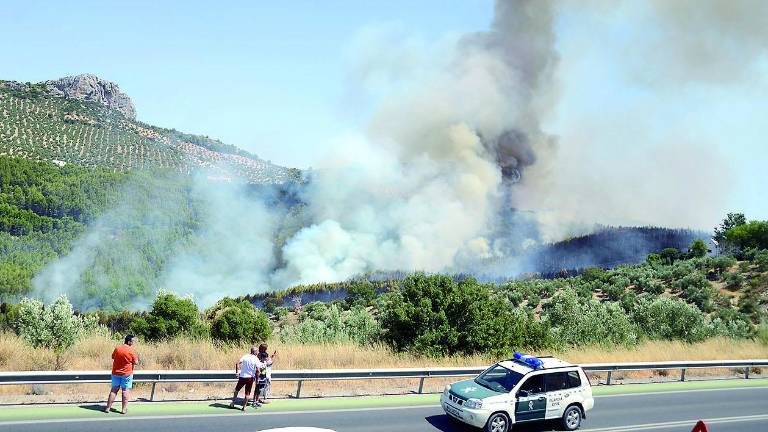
(87, 121)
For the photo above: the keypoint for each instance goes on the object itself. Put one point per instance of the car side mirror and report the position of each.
(522, 393)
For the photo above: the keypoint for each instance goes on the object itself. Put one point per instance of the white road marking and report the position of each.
(658, 392)
(681, 423)
(118, 417)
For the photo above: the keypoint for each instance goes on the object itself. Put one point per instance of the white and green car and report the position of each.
(521, 389)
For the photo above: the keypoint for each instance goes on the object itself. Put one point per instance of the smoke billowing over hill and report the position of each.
(438, 179)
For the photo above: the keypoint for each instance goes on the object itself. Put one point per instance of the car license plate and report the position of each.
(452, 411)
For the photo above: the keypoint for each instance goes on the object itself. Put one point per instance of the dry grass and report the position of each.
(712, 349)
(94, 354)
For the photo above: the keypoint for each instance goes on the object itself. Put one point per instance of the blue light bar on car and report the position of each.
(528, 360)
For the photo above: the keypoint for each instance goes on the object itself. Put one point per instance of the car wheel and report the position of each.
(572, 418)
(498, 422)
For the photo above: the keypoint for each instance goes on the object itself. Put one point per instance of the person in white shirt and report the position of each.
(247, 371)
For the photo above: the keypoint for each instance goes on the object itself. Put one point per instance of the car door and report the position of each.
(558, 393)
(530, 400)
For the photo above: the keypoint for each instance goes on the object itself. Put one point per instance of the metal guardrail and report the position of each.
(299, 376)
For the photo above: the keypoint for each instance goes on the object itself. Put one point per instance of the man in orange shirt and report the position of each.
(124, 358)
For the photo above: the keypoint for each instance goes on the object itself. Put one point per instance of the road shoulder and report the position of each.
(11, 414)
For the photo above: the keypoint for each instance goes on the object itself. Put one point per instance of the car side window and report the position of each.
(534, 384)
(557, 381)
(574, 380)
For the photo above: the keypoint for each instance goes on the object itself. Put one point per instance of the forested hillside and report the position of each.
(37, 125)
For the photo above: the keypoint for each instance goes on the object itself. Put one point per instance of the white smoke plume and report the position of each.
(424, 185)
(476, 127)
(233, 252)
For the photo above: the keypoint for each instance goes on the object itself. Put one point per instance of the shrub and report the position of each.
(669, 255)
(270, 303)
(750, 235)
(729, 322)
(436, 315)
(653, 259)
(170, 316)
(361, 293)
(697, 290)
(576, 321)
(9, 315)
(723, 263)
(697, 249)
(593, 273)
(55, 326)
(628, 300)
(317, 323)
(361, 327)
(749, 304)
(733, 280)
(239, 322)
(613, 292)
(761, 260)
(762, 333)
(665, 318)
(281, 313)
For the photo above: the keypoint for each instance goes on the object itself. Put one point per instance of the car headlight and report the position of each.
(473, 403)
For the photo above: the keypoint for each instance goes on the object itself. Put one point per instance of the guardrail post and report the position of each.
(682, 374)
(608, 380)
(152, 395)
(421, 384)
(746, 373)
(298, 389)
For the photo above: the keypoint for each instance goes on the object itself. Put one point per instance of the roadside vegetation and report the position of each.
(674, 297)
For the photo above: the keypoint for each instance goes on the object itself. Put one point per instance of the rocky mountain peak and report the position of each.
(89, 87)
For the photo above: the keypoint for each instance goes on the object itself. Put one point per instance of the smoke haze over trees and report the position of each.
(457, 166)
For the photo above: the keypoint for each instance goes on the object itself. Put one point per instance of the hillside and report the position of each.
(86, 121)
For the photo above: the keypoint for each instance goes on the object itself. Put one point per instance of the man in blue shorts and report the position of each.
(124, 358)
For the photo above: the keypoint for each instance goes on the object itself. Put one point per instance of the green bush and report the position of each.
(435, 315)
(696, 289)
(762, 333)
(669, 255)
(322, 323)
(666, 318)
(653, 259)
(729, 322)
(170, 316)
(753, 234)
(761, 260)
(593, 273)
(361, 327)
(360, 292)
(9, 315)
(723, 263)
(613, 292)
(238, 322)
(55, 326)
(698, 249)
(578, 322)
(733, 280)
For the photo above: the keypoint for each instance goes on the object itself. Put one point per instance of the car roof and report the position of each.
(548, 363)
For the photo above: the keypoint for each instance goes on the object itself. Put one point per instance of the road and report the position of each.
(728, 410)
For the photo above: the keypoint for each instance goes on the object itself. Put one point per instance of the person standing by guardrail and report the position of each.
(124, 358)
(246, 371)
(266, 380)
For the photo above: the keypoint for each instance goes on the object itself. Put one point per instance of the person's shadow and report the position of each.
(444, 423)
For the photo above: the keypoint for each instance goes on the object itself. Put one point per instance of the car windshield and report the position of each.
(498, 378)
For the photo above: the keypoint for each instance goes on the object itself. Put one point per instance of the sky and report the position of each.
(282, 79)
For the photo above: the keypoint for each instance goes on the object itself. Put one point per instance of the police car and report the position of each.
(521, 389)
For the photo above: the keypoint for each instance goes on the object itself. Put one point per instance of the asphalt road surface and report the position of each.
(726, 410)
